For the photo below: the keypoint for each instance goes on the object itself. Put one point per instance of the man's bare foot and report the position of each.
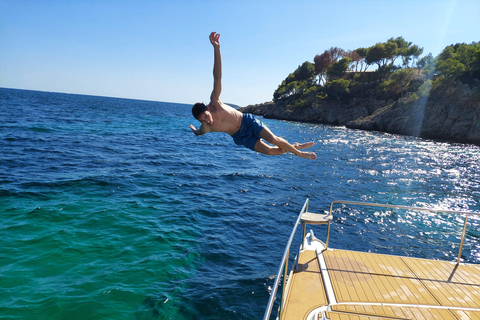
(300, 146)
(307, 155)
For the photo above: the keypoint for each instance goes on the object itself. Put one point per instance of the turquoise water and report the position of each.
(112, 208)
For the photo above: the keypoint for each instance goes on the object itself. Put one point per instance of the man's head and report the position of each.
(201, 113)
(197, 109)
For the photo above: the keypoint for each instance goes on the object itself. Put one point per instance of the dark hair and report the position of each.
(198, 108)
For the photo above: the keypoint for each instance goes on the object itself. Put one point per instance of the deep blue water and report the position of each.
(112, 209)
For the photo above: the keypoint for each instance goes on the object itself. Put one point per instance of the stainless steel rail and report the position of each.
(466, 213)
(284, 263)
(283, 266)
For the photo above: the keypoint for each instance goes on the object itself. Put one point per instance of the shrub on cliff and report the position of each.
(400, 81)
(338, 88)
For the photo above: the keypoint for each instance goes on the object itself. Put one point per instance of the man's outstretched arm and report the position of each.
(217, 67)
(199, 131)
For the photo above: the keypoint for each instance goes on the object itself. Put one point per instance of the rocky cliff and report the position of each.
(451, 114)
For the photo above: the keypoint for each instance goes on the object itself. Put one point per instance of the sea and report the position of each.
(113, 209)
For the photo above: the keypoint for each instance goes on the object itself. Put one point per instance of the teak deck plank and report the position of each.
(306, 289)
(393, 312)
(388, 276)
(452, 285)
(464, 314)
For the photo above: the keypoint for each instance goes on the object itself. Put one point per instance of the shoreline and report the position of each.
(451, 115)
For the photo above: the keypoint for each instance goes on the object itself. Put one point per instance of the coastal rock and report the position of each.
(329, 112)
(441, 119)
(452, 115)
(258, 109)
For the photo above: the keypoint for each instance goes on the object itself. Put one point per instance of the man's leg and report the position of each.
(282, 146)
(264, 148)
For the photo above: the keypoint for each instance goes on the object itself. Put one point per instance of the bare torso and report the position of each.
(225, 118)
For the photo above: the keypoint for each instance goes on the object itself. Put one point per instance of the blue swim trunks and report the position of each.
(249, 132)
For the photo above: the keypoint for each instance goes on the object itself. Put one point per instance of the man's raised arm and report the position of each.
(217, 67)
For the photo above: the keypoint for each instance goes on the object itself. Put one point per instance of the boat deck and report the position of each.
(356, 285)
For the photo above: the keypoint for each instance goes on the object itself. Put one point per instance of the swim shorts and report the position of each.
(249, 132)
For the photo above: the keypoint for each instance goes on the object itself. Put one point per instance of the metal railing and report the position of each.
(284, 263)
(466, 213)
(283, 268)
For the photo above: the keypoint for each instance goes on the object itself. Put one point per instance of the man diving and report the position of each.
(244, 128)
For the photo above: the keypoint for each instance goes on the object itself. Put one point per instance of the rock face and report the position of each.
(452, 115)
(329, 112)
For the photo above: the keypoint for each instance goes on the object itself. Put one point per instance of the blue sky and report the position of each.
(159, 50)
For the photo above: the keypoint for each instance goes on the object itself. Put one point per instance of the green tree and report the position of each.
(451, 68)
(392, 51)
(475, 66)
(362, 52)
(401, 47)
(387, 52)
(296, 82)
(411, 54)
(337, 69)
(468, 55)
(305, 72)
(459, 62)
(428, 64)
(447, 53)
(377, 54)
(401, 79)
(382, 53)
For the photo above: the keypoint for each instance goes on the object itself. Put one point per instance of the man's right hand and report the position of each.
(197, 132)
